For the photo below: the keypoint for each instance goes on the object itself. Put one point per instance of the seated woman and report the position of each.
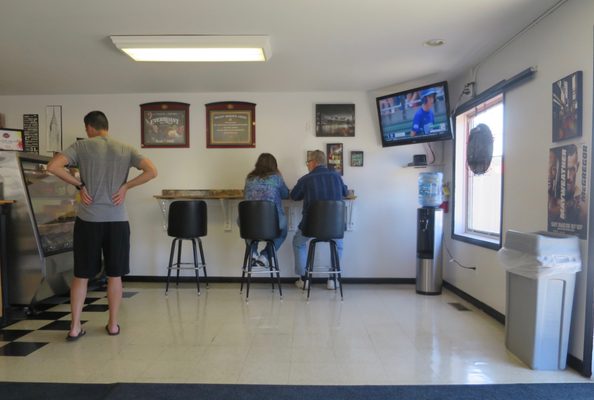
(265, 182)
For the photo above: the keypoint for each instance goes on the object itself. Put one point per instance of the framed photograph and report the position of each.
(164, 124)
(230, 124)
(334, 154)
(567, 107)
(356, 158)
(335, 120)
(53, 119)
(11, 139)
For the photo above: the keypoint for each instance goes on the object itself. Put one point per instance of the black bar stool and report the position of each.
(324, 222)
(258, 222)
(187, 221)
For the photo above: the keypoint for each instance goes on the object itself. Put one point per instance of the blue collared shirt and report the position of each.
(320, 184)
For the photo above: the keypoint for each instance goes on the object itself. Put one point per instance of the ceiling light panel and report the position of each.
(194, 48)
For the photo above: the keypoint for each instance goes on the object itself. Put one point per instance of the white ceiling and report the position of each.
(63, 46)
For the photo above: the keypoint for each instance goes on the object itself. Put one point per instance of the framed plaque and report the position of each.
(165, 124)
(230, 124)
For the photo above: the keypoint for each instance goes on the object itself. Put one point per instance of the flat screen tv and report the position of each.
(416, 115)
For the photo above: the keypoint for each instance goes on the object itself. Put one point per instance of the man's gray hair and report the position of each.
(319, 157)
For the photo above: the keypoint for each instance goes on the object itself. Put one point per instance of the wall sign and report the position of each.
(231, 124)
(164, 124)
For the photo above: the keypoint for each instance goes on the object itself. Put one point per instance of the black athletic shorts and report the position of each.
(91, 238)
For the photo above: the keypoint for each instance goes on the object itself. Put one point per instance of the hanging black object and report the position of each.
(479, 151)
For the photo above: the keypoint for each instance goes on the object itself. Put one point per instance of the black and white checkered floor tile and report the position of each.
(11, 344)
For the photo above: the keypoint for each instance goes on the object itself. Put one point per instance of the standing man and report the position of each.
(319, 184)
(102, 220)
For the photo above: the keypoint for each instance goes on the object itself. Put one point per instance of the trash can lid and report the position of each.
(543, 244)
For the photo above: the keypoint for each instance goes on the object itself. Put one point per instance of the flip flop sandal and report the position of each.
(114, 333)
(75, 338)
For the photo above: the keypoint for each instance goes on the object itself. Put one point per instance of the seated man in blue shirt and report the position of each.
(319, 184)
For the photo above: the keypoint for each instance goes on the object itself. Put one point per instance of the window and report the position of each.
(478, 198)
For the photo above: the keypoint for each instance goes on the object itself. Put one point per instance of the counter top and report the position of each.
(4, 202)
(226, 197)
(200, 194)
(171, 194)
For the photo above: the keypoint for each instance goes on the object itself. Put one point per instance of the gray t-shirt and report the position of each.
(104, 164)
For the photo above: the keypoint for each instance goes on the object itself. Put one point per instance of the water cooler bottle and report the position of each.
(429, 234)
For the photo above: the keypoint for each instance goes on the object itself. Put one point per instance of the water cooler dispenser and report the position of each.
(429, 234)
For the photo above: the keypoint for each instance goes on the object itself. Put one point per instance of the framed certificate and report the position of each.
(230, 124)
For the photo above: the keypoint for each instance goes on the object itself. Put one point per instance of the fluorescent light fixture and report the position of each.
(205, 48)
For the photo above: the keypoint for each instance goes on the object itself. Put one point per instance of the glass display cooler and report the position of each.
(40, 229)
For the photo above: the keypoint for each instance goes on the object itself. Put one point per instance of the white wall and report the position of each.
(559, 45)
(384, 239)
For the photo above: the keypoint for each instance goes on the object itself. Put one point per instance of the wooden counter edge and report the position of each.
(230, 197)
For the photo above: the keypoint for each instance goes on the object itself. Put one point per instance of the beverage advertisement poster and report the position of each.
(567, 190)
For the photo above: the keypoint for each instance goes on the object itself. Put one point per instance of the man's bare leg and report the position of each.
(114, 298)
(78, 293)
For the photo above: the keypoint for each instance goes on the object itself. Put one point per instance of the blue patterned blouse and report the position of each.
(271, 187)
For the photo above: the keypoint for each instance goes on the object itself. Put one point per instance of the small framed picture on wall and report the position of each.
(334, 154)
(356, 158)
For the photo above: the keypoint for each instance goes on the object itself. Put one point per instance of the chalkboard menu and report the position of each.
(31, 132)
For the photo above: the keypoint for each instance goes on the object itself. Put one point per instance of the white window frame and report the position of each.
(462, 227)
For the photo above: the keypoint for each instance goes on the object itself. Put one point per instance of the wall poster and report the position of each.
(31, 132)
(334, 154)
(53, 120)
(567, 107)
(165, 124)
(567, 190)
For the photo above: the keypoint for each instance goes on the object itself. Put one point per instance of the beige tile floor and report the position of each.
(379, 334)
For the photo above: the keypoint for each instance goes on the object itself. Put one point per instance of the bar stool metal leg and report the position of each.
(253, 247)
(179, 251)
(270, 266)
(196, 267)
(171, 253)
(203, 261)
(245, 264)
(311, 256)
(277, 269)
(337, 276)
